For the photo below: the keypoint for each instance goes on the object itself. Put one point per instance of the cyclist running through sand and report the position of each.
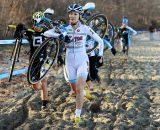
(125, 32)
(36, 40)
(76, 58)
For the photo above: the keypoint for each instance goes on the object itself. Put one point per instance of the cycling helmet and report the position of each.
(75, 7)
(125, 20)
(37, 16)
(49, 11)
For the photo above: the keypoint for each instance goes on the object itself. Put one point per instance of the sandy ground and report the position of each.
(128, 97)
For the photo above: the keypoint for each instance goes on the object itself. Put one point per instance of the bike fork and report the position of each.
(18, 49)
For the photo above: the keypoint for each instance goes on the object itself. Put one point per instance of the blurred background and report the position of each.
(141, 13)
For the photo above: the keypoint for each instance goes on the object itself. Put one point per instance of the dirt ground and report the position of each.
(128, 97)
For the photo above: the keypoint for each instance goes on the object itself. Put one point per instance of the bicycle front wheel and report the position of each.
(42, 60)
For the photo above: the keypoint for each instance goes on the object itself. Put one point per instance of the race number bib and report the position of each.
(37, 41)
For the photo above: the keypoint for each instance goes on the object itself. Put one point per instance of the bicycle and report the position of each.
(116, 42)
(107, 31)
(97, 22)
(17, 46)
(110, 33)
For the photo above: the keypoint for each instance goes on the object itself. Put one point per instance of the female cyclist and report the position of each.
(77, 63)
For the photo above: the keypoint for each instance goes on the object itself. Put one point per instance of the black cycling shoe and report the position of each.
(124, 51)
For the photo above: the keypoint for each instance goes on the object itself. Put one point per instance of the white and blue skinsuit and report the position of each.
(76, 57)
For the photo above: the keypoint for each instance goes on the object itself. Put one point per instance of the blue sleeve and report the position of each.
(43, 19)
(107, 44)
(46, 19)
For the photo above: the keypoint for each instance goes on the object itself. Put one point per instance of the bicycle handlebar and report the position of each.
(30, 30)
(14, 27)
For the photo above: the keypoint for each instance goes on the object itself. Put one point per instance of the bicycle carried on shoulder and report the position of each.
(50, 46)
(99, 20)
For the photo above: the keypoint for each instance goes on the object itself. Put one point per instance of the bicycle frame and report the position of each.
(19, 42)
(17, 48)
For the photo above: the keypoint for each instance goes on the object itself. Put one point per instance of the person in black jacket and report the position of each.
(35, 40)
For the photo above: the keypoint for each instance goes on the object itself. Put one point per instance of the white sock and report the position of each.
(84, 92)
(78, 112)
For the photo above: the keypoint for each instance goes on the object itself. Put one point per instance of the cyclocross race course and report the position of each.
(128, 96)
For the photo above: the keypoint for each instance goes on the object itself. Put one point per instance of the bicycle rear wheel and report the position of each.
(118, 45)
(14, 58)
(110, 32)
(99, 24)
(42, 60)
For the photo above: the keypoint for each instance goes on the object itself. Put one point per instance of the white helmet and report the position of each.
(89, 6)
(49, 11)
(75, 7)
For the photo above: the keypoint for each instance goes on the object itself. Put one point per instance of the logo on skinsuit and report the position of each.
(76, 39)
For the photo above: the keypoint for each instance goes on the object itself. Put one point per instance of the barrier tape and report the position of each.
(16, 72)
(7, 42)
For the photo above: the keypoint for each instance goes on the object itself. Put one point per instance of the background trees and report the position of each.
(140, 13)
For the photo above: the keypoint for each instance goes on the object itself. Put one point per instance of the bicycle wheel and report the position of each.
(14, 57)
(99, 24)
(65, 74)
(91, 45)
(42, 60)
(110, 32)
(118, 45)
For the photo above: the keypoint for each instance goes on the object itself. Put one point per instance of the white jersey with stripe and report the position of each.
(76, 57)
(78, 38)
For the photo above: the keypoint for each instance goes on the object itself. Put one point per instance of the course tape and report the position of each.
(4, 42)
(16, 72)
